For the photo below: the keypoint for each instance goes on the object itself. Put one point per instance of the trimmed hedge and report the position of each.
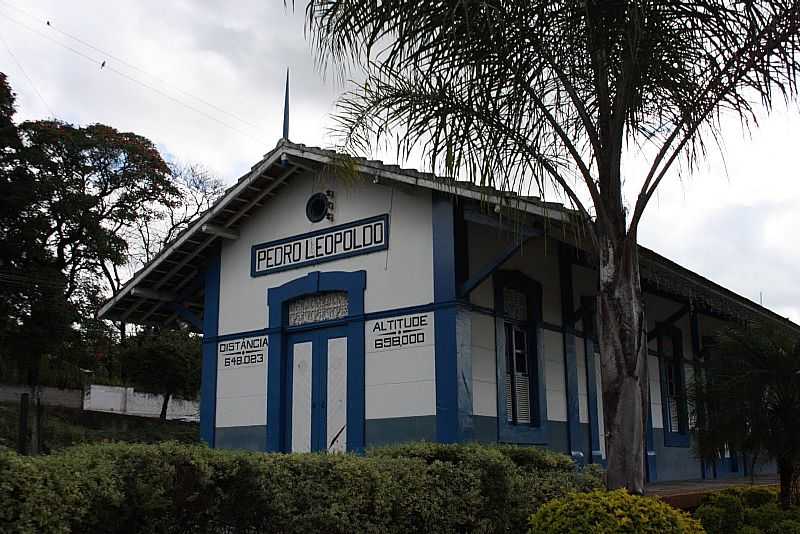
(170, 488)
(610, 512)
(747, 510)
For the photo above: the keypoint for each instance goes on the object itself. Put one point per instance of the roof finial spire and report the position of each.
(286, 109)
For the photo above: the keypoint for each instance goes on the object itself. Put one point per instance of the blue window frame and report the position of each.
(673, 386)
(521, 403)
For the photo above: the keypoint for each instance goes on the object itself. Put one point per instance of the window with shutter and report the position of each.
(522, 416)
(673, 384)
(518, 379)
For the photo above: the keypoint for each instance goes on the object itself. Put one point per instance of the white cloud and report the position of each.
(738, 228)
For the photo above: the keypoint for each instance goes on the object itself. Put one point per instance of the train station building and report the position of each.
(343, 310)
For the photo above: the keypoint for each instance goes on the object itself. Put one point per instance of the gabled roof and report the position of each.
(170, 285)
(171, 278)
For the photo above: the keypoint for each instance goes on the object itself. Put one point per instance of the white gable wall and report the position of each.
(398, 277)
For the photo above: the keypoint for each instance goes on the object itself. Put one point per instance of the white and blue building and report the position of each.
(343, 312)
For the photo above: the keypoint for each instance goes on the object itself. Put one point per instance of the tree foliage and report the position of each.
(166, 362)
(537, 96)
(80, 207)
(519, 94)
(749, 400)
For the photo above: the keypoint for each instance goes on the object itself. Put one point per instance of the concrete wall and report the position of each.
(123, 400)
(69, 398)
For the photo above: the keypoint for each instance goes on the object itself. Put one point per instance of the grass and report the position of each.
(64, 427)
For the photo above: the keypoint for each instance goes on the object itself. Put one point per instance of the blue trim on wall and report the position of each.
(208, 388)
(383, 246)
(537, 432)
(444, 290)
(354, 283)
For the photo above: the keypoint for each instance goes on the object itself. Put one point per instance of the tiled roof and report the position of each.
(150, 295)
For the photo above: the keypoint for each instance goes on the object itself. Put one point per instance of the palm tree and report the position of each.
(537, 96)
(749, 400)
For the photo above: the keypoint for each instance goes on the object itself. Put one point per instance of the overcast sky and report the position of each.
(737, 223)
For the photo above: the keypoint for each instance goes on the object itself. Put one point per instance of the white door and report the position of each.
(318, 392)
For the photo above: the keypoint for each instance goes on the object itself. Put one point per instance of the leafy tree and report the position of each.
(166, 362)
(750, 401)
(92, 182)
(548, 95)
(197, 191)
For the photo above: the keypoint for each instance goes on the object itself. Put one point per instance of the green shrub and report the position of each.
(611, 512)
(721, 514)
(746, 510)
(524, 457)
(176, 488)
(787, 526)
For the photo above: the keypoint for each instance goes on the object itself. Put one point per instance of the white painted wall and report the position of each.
(117, 399)
(655, 392)
(400, 381)
(398, 277)
(583, 396)
(484, 365)
(241, 388)
(555, 379)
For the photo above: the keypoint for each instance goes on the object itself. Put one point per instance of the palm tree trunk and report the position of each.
(623, 350)
(164, 405)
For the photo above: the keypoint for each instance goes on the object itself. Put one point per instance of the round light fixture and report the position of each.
(317, 207)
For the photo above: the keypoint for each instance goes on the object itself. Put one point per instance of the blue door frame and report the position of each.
(354, 284)
(319, 384)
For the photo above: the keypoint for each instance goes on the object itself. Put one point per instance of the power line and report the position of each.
(101, 65)
(131, 65)
(24, 73)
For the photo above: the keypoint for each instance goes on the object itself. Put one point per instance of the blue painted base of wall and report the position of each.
(674, 463)
(559, 436)
(484, 429)
(399, 429)
(251, 438)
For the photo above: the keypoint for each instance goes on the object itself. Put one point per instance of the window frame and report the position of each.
(534, 432)
(677, 364)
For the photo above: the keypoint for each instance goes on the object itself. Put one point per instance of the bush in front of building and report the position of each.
(747, 510)
(171, 487)
(525, 457)
(514, 480)
(611, 512)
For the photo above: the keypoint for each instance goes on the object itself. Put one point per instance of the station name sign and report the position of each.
(343, 241)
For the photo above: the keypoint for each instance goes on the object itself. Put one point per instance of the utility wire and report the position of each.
(24, 73)
(130, 65)
(101, 65)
